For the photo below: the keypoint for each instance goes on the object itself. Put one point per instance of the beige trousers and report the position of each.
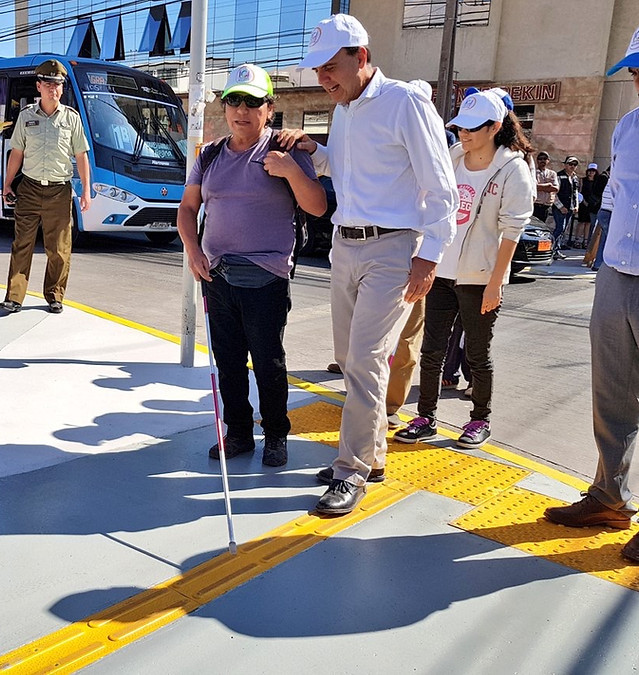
(406, 357)
(368, 279)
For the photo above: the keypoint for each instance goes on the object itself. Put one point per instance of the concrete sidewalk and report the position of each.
(113, 535)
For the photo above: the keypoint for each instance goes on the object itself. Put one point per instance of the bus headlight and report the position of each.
(113, 193)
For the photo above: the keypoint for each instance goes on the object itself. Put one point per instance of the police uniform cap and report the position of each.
(51, 71)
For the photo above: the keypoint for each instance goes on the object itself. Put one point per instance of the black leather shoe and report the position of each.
(233, 447)
(55, 307)
(340, 498)
(326, 475)
(275, 452)
(11, 306)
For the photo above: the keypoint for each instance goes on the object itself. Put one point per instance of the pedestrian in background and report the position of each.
(496, 202)
(547, 187)
(588, 208)
(565, 206)
(46, 135)
(614, 338)
(396, 202)
(245, 258)
(603, 222)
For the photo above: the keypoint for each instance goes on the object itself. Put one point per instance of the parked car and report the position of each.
(534, 247)
(320, 228)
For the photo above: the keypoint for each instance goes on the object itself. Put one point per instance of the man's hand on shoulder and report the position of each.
(296, 138)
(422, 275)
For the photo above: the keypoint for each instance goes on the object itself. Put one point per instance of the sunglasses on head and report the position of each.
(487, 123)
(235, 100)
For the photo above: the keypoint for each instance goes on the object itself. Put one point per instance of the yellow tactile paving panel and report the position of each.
(84, 642)
(506, 513)
(515, 518)
(424, 466)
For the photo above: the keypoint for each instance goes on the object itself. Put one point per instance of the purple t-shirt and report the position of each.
(248, 212)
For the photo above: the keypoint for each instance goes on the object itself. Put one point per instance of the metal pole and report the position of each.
(197, 104)
(443, 102)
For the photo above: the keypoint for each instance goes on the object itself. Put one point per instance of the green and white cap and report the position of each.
(248, 79)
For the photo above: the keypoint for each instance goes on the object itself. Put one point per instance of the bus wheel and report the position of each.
(161, 238)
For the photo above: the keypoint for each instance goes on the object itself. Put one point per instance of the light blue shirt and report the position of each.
(622, 245)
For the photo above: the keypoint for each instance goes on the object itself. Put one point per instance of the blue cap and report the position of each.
(631, 59)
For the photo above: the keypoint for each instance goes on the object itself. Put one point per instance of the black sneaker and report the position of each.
(275, 452)
(55, 307)
(418, 429)
(10, 306)
(476, 433)
(232, 447)
(326, 475)
(340, 498)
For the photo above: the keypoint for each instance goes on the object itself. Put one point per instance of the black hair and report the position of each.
(511, 135)
(353, 50)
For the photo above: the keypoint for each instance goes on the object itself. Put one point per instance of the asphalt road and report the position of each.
(541, 349)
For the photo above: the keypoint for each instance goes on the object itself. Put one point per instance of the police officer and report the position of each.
(46, 135)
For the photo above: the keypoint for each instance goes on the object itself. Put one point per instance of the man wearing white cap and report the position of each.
(396, 203)
(614, 337)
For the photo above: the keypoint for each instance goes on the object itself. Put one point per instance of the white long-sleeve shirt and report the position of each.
(389, 160)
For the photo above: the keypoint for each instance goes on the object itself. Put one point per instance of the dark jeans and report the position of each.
(443, 303)
(541, 211)
(455, 358)
(604, 221)
(563, 222)
(243, 321)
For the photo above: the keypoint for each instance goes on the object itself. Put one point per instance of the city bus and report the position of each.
(137, 132)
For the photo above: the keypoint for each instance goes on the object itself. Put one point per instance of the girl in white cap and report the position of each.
(496, 202)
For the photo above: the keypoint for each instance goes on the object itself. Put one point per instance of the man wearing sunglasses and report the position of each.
(566, 203)
(249, 193)
(547, 186)
(396, 203)
(614, 337)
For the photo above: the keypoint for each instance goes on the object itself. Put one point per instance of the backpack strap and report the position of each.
(208, 154)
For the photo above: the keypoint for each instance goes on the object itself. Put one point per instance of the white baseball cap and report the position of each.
(329, 36)
(592, 165)
(249, 79)
(631, 59)
(478, 109)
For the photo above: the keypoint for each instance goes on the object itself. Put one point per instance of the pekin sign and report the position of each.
(522, 94)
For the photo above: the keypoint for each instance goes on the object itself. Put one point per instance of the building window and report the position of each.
(431, 13)
(526, 115)
(278, 120)
(315, 122)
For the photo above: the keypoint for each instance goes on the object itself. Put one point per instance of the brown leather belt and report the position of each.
(363, 232)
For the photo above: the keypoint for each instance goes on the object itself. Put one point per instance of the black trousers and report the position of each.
(443, 303)
(251, 321)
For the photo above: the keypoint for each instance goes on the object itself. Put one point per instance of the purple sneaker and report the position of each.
(418, 429)
(476, 433)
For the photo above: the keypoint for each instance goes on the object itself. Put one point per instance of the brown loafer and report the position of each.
(334, 368)
(631, 549)
(588, 512)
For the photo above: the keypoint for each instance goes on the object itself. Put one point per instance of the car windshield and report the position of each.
(137, 126)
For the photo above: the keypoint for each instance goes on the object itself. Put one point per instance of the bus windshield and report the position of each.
(133, 115)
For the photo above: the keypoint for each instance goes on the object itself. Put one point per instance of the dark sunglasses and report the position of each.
(571, 163)
(235, 100)
(474, 129)
(633, 71)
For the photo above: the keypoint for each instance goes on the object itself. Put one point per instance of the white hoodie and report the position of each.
(503, 210)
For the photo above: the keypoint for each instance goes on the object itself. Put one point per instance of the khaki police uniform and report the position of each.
(44, 196)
